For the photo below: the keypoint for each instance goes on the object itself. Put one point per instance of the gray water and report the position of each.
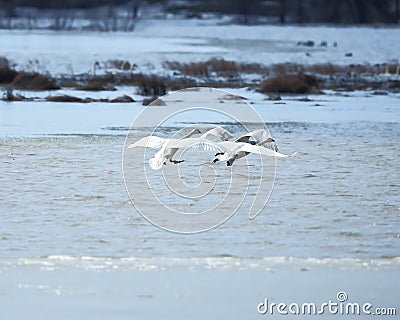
(64, 194)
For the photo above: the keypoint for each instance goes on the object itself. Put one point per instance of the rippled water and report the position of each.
(339, 197)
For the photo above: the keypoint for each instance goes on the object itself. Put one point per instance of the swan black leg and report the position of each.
(215, 160)
(219, 154)
(176, 161)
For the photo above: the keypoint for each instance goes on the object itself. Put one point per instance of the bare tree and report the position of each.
(300, 11)
(282, 11)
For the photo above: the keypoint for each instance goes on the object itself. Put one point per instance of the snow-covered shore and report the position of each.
(155, 41)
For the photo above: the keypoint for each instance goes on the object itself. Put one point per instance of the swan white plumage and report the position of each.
(236, 150)
(258, 141)
(260, 137)
(219, 132)
(228, 150)
(166, 148)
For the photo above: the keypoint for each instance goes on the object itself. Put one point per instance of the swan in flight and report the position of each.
(228, 150)
(166, 149)
(260, 137)
(258, 141)
(235, 150)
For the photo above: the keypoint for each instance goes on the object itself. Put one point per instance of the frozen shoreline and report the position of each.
(156, 41)
(22, 118)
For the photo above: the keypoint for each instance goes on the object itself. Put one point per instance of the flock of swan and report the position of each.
(229, 149)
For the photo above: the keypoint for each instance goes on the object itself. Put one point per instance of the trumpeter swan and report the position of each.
(232, 150)
(258, 141)
(237, 150)
(258, 137)
(167, 150)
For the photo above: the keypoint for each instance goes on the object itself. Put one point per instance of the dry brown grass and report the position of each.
(393, 68)
(34, 81)
(327, 69)
(219, 67)
(330, 69)
(296, 84)
(286, 68)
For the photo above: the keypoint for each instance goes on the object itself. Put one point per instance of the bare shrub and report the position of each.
(34, 81)
(296, 84)
(4, 63)
(151, 85)
(7, 75)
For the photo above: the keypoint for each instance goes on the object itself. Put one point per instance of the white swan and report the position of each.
(166, 146)
(237, 150)
(258, 141)
(229, 150)
(258, 137)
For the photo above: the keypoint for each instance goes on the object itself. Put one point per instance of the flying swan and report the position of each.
(166, 150)
(260, 137)
(258, 141)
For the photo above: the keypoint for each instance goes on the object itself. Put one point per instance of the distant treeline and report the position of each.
(243, 11)
(59, 4)
(96, 15)
(301, 11)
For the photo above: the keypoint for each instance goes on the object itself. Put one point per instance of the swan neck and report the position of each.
(190, 134)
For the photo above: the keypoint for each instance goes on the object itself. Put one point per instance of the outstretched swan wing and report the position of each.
(192, 143)
(157, 162)
(153, 142)
(218, 132)
(245, 147)
(258, 136)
